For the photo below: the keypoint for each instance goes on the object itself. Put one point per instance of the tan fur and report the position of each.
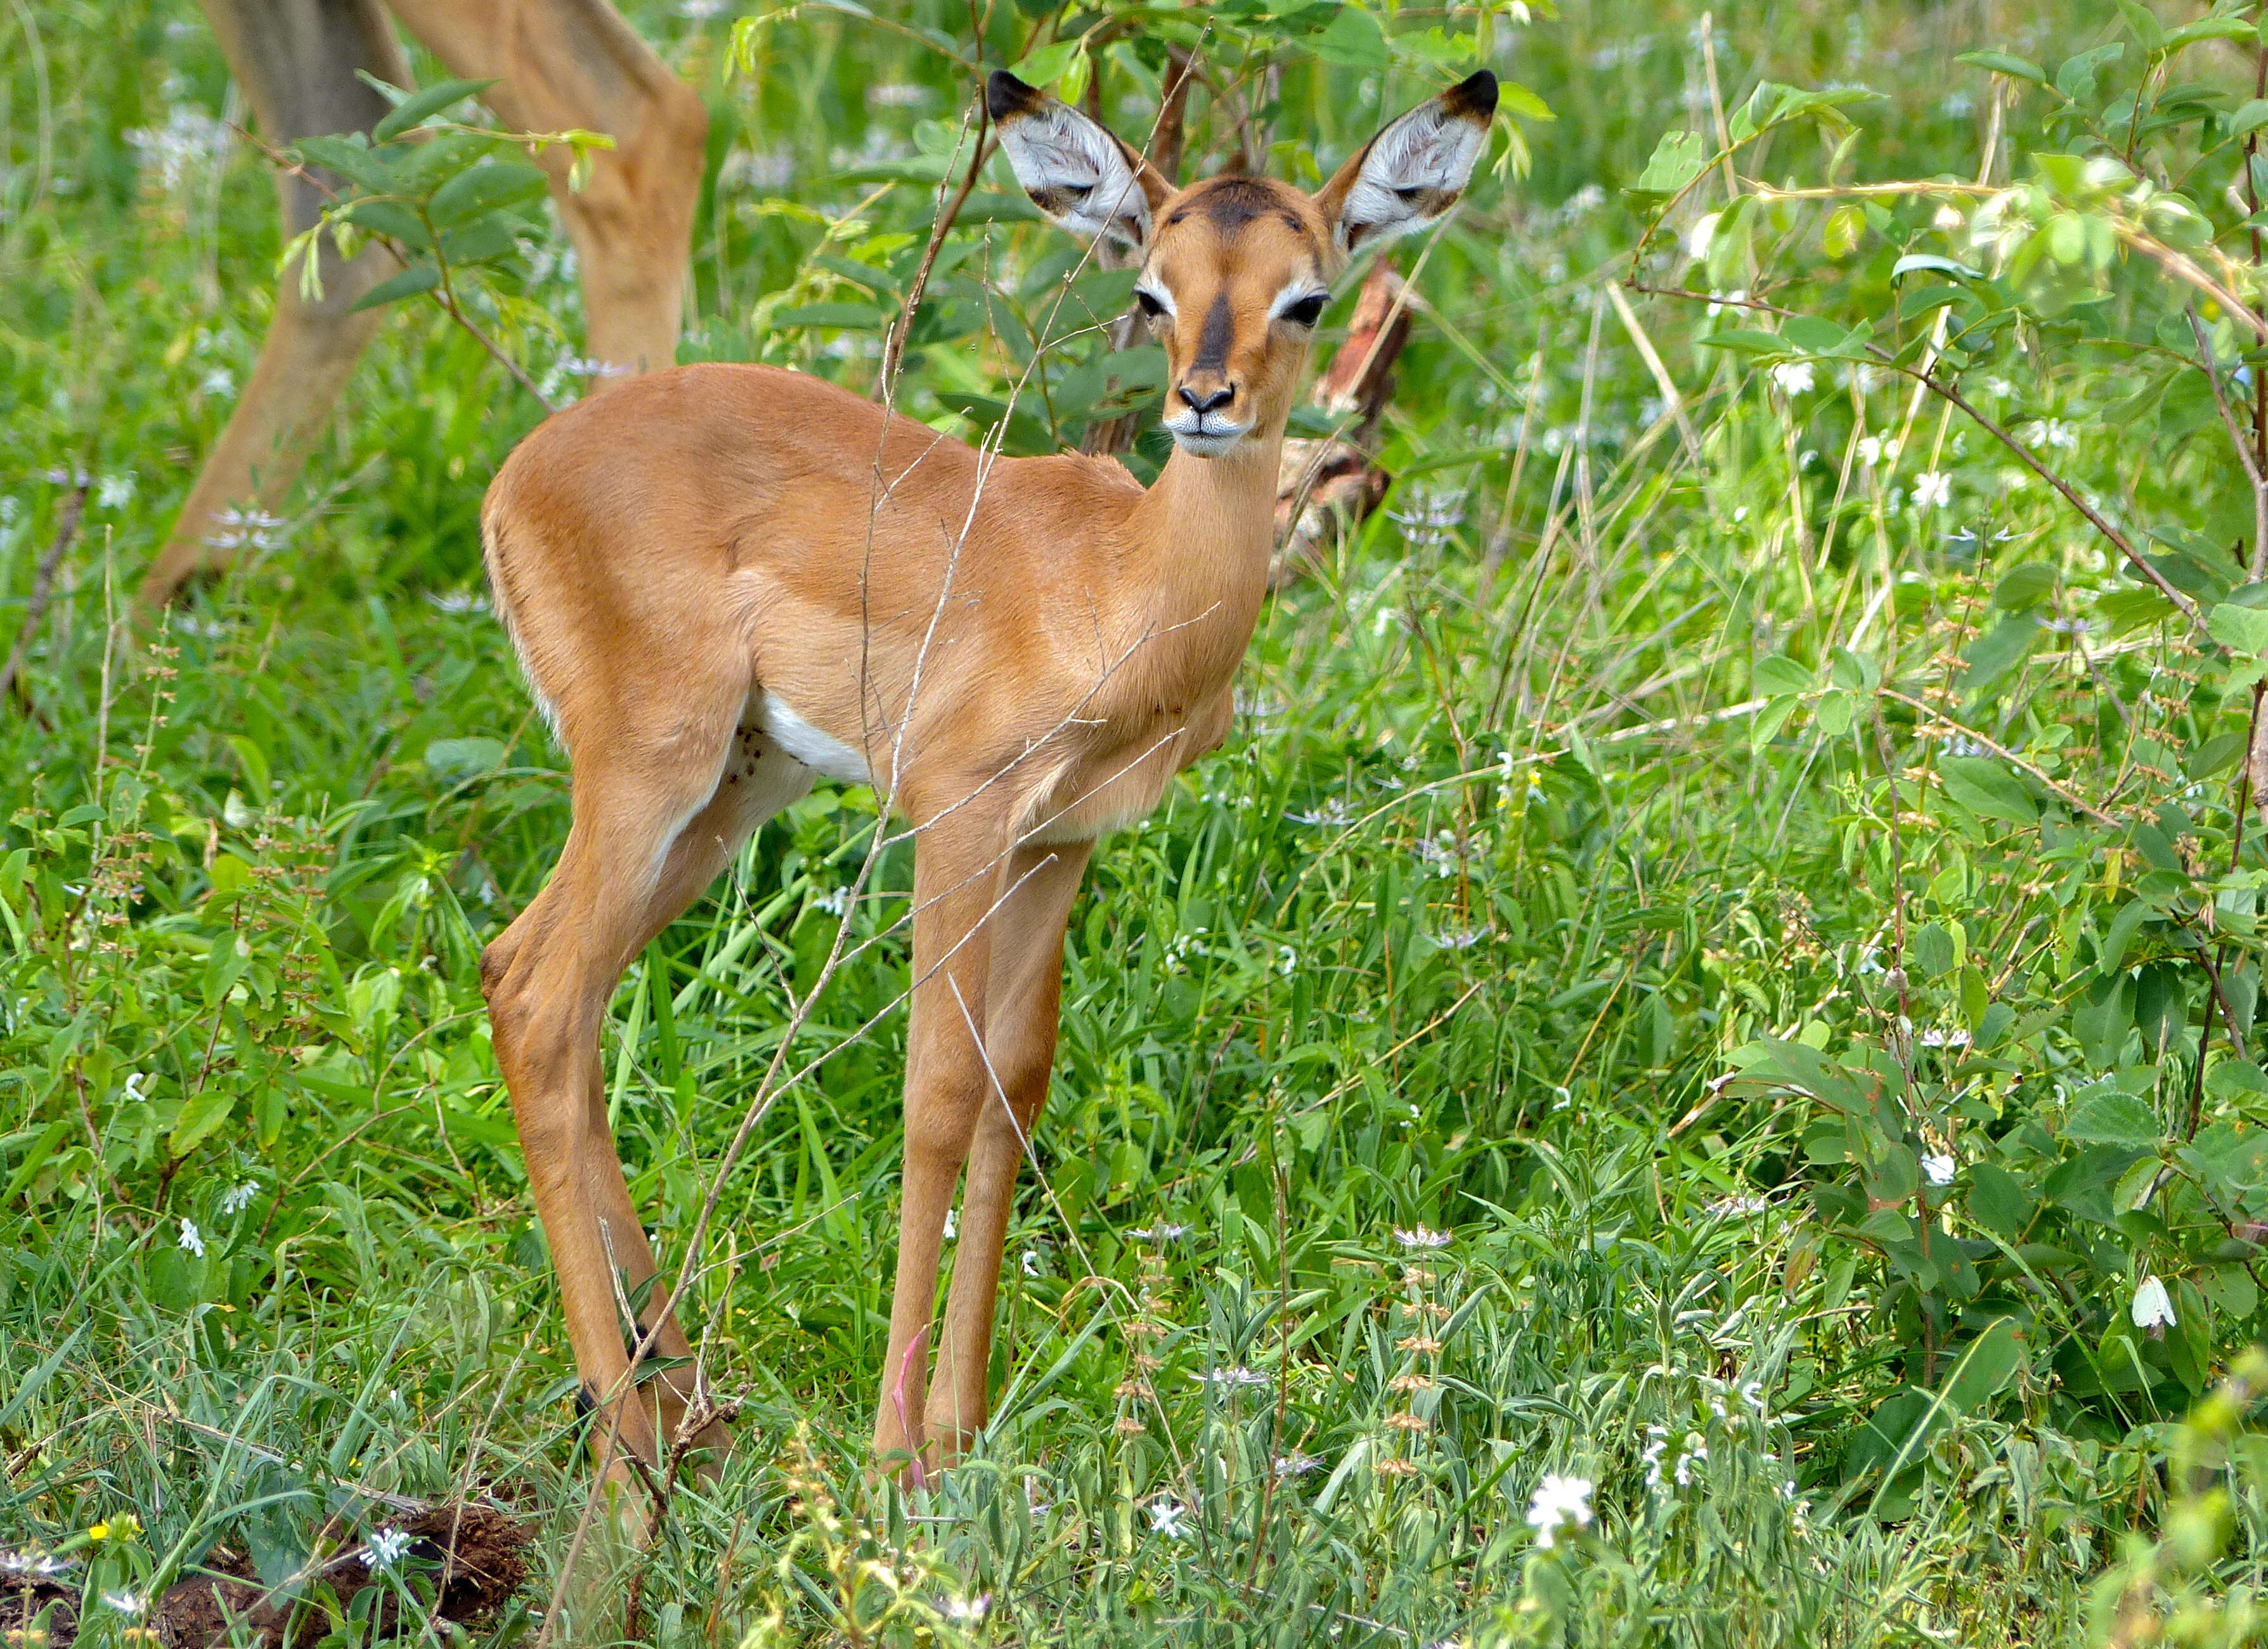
(1022, 652)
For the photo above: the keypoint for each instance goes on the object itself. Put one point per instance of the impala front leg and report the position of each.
(958, 865)
(1019, 1047)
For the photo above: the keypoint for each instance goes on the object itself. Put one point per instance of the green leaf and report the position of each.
(1746, 340)
(1998, 1202)
(1779, 674)
(451, 759)
(1930, 261)
(2025, 587)
(201, 1116)
(850, 317)
(1044, 65)
(351, 158)
(1986, 1369)
(420, 106)
(1998, 650)
(418, 277)
(484, 188)
(2004, 63)
(2113, 1118)
(2148, 33)
(1813, 335)
(2076, 78)
(1354, 41)
(392, 219)
(1678, 160)
(2242, 629)
(2123, 926)
(1988, 789)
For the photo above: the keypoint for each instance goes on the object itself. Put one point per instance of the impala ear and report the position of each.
(1413, 171)
(1080, 174)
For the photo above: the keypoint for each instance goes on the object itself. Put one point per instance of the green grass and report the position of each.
(1458, 934)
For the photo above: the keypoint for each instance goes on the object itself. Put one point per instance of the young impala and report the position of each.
(725, 580)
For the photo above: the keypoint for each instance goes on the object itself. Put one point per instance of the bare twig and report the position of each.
(43, 583)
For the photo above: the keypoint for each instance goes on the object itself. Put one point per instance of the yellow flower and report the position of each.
(100, 1531)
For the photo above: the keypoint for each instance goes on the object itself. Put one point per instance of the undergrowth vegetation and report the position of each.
(1686, 1076)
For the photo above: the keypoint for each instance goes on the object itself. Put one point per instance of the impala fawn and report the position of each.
(725, 581)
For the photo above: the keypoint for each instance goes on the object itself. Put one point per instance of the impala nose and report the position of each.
(1202, 401)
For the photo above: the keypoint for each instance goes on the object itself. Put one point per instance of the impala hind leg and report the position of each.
(296, 61)
(1025, 997)
(642, 848)
(576, 63)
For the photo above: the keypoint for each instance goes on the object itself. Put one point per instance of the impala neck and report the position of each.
(1200, 542)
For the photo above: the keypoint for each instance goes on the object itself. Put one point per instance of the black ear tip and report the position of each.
(1005, 95)
(1473, 97)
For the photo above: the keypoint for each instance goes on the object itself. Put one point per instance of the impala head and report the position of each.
(1237, 271)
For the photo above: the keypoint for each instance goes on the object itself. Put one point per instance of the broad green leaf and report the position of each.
(2242, 629)
(420, 106)
(2113, 1118)
(200, 1116)
(1354, 41)
(1986, 1368)
(1779, 675)
(418, 277)
(1813, 335)
(1839, 238)
(2123, 926)
(1746, 340)
(1044, 65)
(484, 188)
(1678, 160)
(351, 158)
(1998, 650)
(1998, 1202)
(2004, 63)
(1988, 788)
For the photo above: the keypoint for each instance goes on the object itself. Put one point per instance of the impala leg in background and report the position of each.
(960, 861)
(1024, 994)
(296, 61)
(576, 63)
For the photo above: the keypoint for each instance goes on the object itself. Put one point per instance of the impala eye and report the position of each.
(1151, 307)
(1307, 311)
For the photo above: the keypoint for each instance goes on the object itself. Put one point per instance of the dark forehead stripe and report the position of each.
(1230, 203)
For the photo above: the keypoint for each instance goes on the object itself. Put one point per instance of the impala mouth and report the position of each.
(1201, 437)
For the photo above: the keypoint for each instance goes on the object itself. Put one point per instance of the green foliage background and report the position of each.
(1734, 847)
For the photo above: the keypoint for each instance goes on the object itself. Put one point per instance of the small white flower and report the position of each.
(968, 1609)
(952, 1225)
(1031, 1263)
(133, 1085)
(388, 1547)
(1238, 1376)
(1288, 961)
(1163, 1231)
(114, 492)
(1558, 1502)
(191, 1238)
(1937, 1167)
(1704, 231)
(1932, 489)
(1695, 1451)
(1296, 1464)
(1169, 1517)
(1792, 378)
(1873, 449)
(237, 1198)
(2154, 1308)
(1956, 1037)
(1520, 12)
(1736, 1207)
(219, 382)
(1948, 217)
(833, 902)
(1718, 302)
(124, 1602)
(1422, 1237)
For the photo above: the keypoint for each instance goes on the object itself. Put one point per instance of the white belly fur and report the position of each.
(806, 744)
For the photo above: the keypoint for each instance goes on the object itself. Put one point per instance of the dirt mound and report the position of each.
(478, 1550)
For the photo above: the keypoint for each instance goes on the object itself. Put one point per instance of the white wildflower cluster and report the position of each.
(237, 1198)
(1442, 853)
(191, 1238)
(457, 602)
(1421, 1237)
(115, 492)
(1163, 1231)
(1231, 1377)
(244, 529)
(1692, 1452)
(388, 1547)
(1334, 812)
(1559, 1503)
(833, 902)
(25, 1563)
(182, 149)
(2052, 432)
(1582, 204)
(1794, 377)
(1937, 1167)
(1430, 519)
(1737, 1207)
(1297, 1464)
(1932, 489)
(1169, 1517)
(1874, 451)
